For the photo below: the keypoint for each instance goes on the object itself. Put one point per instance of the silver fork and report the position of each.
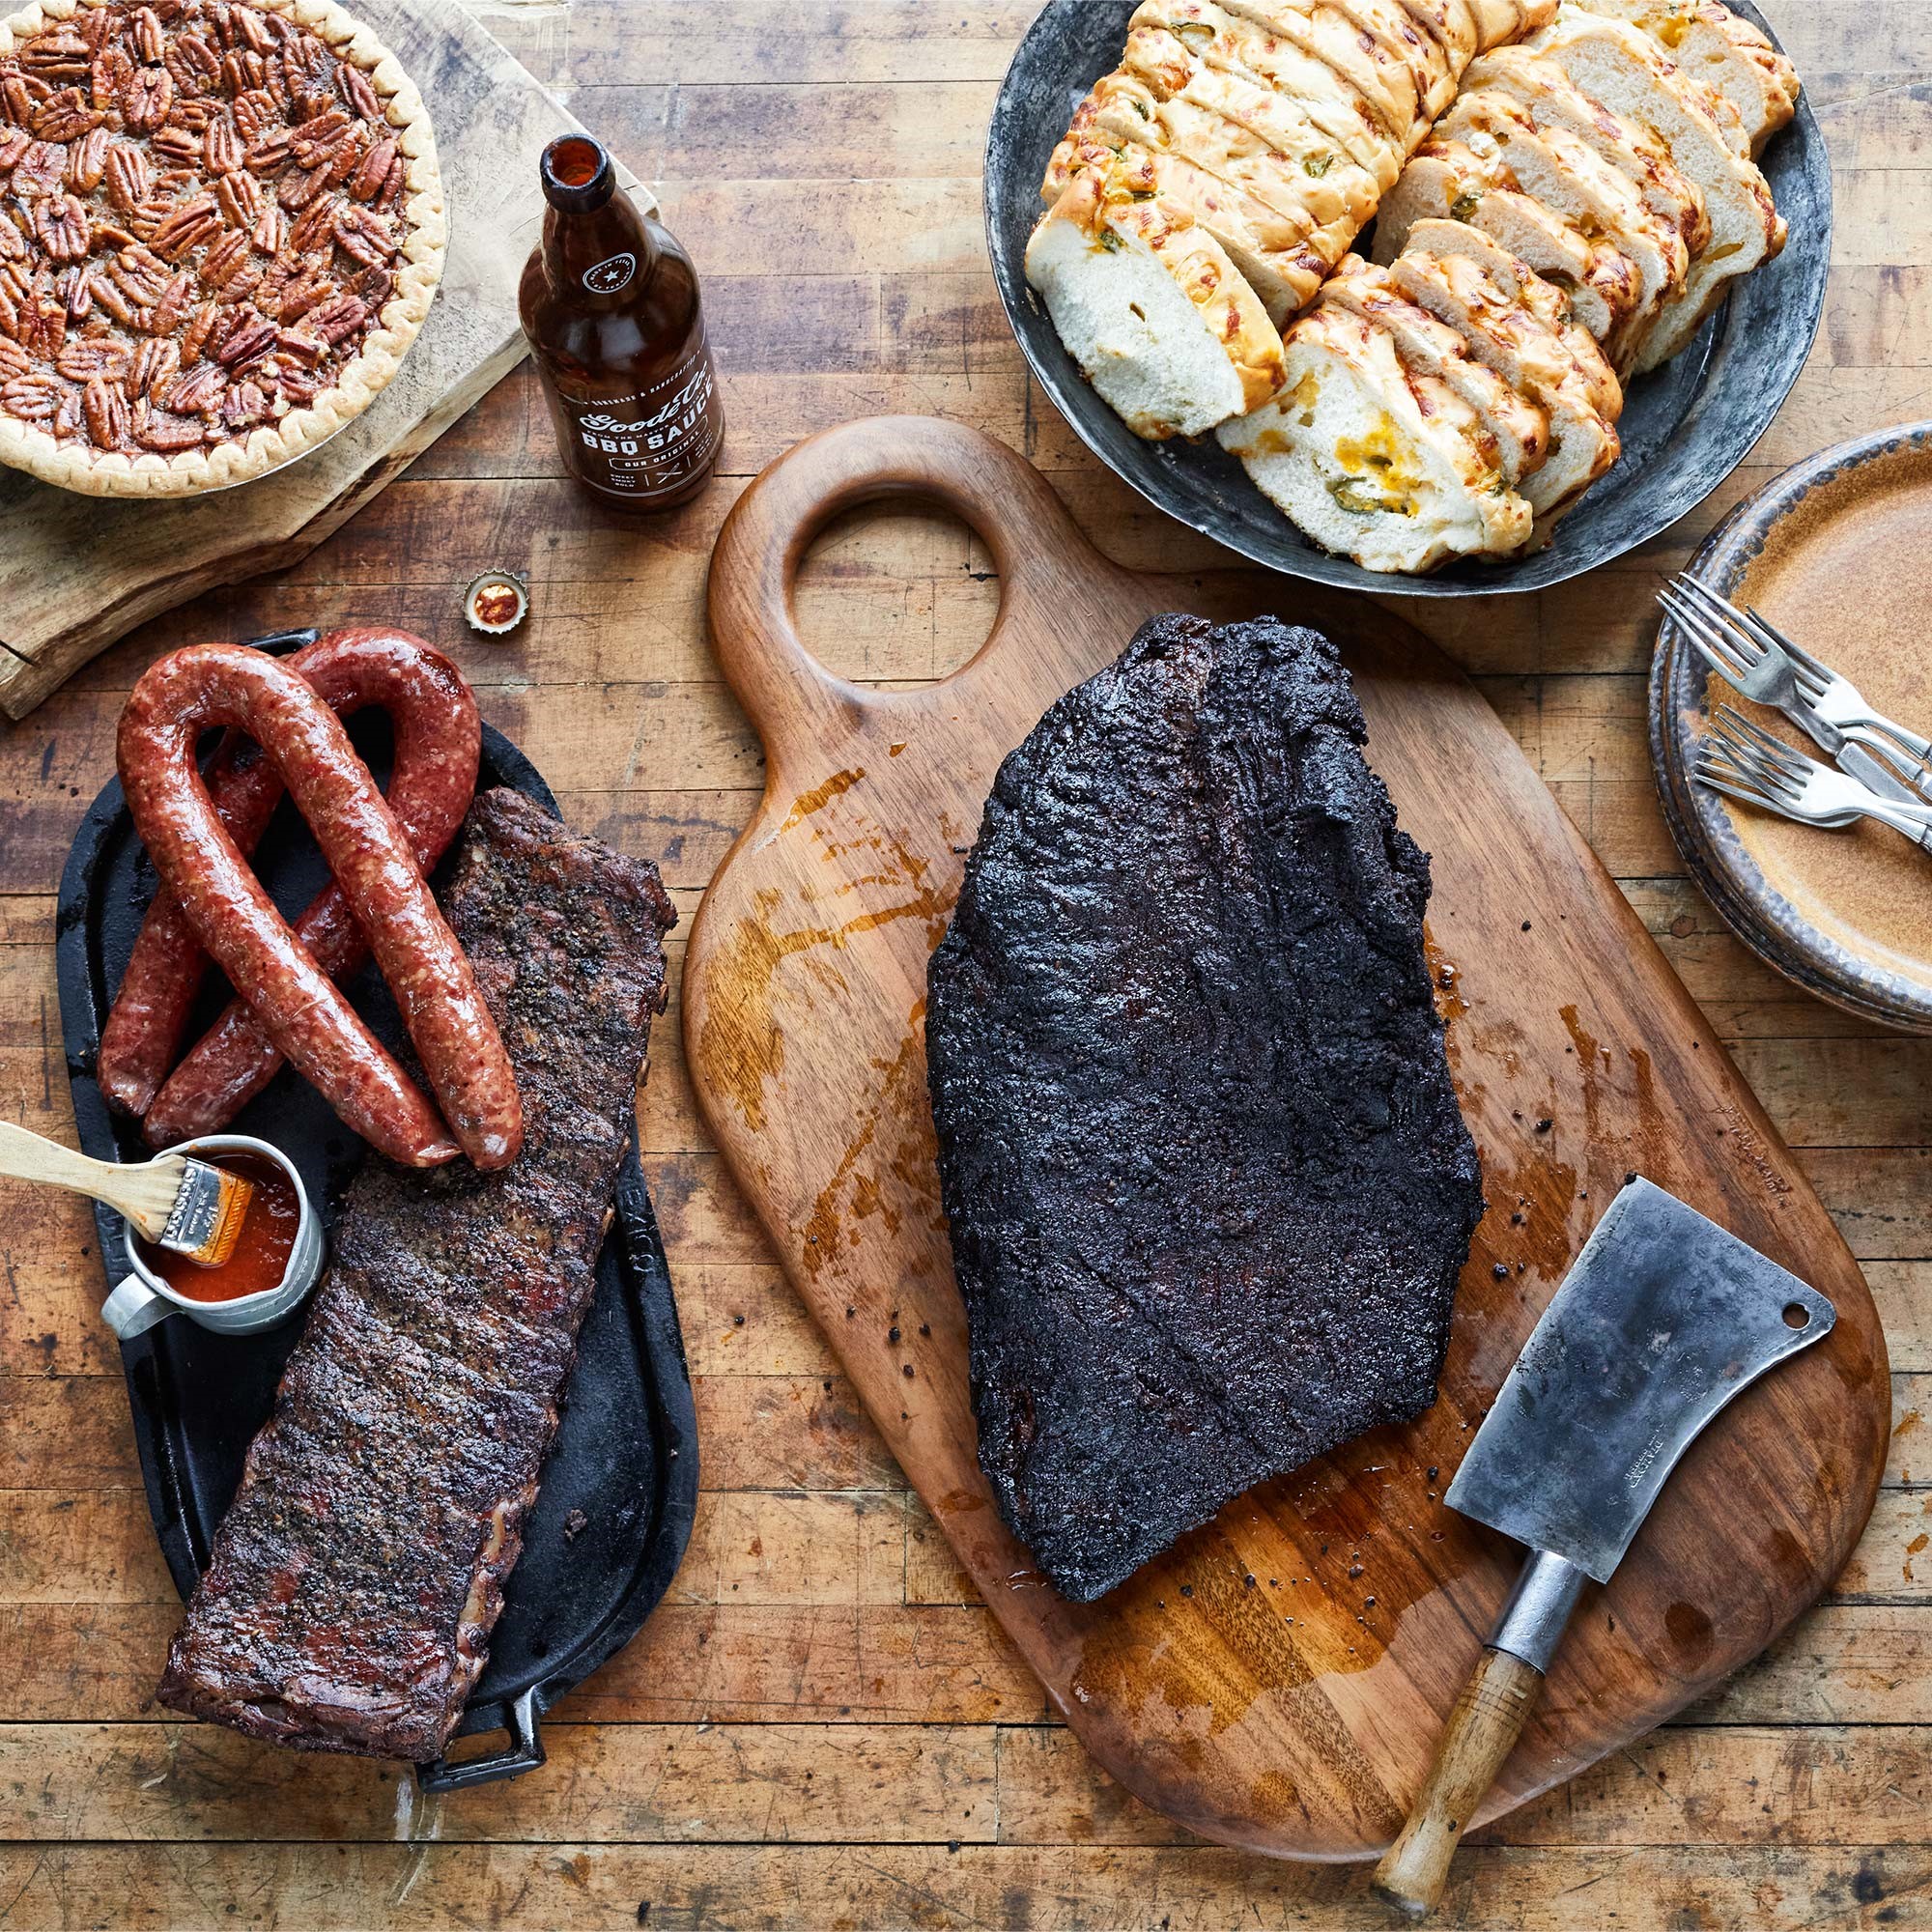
(1744, 761)
(1769, 667)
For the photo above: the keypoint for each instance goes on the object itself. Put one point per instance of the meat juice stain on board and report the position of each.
(610, 303)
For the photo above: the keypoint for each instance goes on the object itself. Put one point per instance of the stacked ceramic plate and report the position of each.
(1833, 552)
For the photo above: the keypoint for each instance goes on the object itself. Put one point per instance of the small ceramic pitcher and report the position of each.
(144, 1299)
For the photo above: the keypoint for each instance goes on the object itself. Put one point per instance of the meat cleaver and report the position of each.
(1660, 1321)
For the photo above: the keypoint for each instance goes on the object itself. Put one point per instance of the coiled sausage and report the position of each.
(305, 1017)
(434, 776)
(438, 737)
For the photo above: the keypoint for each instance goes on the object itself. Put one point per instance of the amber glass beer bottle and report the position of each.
(610, 303)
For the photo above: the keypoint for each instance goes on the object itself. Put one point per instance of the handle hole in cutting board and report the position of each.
(896, 593)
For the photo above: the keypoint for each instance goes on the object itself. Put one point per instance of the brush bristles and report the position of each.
(208, 1214)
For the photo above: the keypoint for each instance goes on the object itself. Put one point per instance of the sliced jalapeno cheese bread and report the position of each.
(1563, 189)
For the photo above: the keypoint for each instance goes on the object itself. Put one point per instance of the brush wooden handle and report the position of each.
(144, 1193)
(1483, 1728)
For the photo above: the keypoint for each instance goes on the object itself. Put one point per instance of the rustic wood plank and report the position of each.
(641, 1783)
(431, 1888)
(711, 1664)
(899, 1783)
(842, 1608)
(739, 1662)
(1835, 1785)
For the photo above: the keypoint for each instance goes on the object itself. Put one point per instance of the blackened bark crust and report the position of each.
(1208, 1186)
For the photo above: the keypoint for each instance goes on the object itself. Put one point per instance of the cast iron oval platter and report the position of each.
(626, 1451)
(1870, 630)
(1685, 428)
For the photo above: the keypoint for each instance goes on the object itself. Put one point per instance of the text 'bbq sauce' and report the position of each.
(610, 303)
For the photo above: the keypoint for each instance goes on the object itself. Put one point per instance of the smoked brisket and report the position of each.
(356, 1577)
(1208, 1187)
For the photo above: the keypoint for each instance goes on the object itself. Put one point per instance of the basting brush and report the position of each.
(173, 1200)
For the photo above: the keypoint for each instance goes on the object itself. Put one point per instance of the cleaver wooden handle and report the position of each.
(1483, 1730)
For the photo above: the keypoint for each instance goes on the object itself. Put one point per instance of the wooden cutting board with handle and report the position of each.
(1279, 1679)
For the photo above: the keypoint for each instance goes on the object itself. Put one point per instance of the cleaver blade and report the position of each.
(1661, 1319)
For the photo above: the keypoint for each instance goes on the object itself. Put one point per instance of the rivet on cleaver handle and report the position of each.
(1661, 1321)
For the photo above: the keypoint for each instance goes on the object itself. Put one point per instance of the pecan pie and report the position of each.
(220, 227)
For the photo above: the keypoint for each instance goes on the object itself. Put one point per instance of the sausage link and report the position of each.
(305, 1013)
(438, 738)
(168, 964)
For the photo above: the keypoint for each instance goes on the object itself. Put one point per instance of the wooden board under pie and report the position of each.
(76, 572)
(1279, 1678)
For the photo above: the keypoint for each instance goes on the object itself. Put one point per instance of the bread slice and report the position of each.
(1727, 54)
(1518, 428)
(1323, 31)
(1611, 62)
(1271, 249)
(1448, 181)
(1170, 42)
(1519, 283)
(1553, 100)
(1721, 112)
(1236, 130)
(1372, 460)
(1452, 25)
(1565, 173)
(1503, 331)
(1498, 22)
(1155, 314)
(1432, 73)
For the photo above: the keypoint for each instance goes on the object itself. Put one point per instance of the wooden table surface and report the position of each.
(819, 1726)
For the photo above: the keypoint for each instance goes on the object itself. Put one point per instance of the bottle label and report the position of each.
(609, 275)
(650, 443)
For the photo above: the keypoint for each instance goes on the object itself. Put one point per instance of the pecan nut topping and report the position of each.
(60, 227)
(65, 117)
(154, 365)
(201, 388)
(106, 414)
(146, 99)
(246, 343)
(40, 170)
(86, 358)
(127, 179)
(206, 211)
(167, 434)
(32, 397)
(186, 227)
(87, 161)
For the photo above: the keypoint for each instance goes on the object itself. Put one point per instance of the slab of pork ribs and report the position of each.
(358, 1574)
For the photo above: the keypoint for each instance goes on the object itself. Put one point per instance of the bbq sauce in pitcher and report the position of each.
(610, 303)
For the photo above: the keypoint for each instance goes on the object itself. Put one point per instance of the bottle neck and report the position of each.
(599, 260)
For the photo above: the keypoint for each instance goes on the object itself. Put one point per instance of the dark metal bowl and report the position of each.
(1685, 428)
